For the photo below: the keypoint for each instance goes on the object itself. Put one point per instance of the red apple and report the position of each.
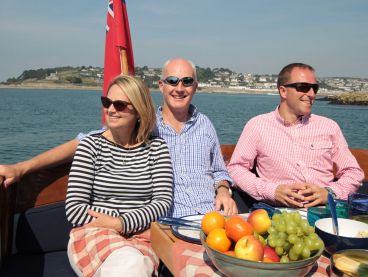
(249, 248)
(270, 255)
(260, 221)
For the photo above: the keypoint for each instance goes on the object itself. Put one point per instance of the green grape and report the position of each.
(276, 217)
(313, 236)
(296, 216)
(290, 229)
(318, 244)
(308, 242)
(292, 255)
(298, 248)
(306, 253)
(292, 238)
(305, 226)
(273, 236)
(279, 242)
(286, 216)
(282, 235)
(280, 227)
(272, 230)
(271, 242)
(292, 223)
(284, 259)
(279, 250)
(311, 230)
(299, 231)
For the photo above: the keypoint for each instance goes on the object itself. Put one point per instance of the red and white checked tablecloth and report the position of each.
(191, 260)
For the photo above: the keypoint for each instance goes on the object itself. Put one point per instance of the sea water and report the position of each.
(32, 121)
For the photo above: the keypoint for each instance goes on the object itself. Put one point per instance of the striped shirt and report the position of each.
(197, 162)
(134, 183)
(293, 153)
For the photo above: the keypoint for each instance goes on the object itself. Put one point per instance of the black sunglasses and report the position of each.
(174, 81)
(119, 105)
(303, 87)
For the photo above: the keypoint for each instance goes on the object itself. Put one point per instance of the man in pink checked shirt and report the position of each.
(293, 150)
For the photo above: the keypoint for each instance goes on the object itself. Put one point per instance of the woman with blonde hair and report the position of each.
(120, 181)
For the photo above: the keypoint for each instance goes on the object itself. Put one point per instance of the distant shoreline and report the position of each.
(65, 86)
(46, 85)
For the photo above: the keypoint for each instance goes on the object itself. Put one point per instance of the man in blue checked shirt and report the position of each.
(201, 181)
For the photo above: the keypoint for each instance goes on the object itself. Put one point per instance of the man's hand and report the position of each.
(10, 174)
(225, 202)
(104, 221)
(289, 195)
(314, 195)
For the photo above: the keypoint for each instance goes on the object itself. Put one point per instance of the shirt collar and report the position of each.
(301, 120)
(192, 110)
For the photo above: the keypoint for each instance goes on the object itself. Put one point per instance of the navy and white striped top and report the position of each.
(134, 183)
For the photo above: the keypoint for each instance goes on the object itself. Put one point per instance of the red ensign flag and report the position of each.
(117, 39)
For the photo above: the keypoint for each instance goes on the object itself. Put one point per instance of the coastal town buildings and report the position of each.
(217, 79)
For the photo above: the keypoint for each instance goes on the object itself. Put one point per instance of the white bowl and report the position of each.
(348, 234)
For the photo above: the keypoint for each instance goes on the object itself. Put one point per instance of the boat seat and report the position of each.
(41, 236)
(34, 231)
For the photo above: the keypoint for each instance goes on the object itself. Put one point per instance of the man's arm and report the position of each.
(243, 160)
(241, 165)
(223, 200)
(348, 172)
(60, 154)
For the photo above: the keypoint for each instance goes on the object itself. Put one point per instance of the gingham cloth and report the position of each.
(91, 246)
(191, 260)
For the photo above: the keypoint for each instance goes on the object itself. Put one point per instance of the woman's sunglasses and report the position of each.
(174, 81)
(303, 87)
(119, 105)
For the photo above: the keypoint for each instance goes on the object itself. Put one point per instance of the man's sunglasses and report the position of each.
(174, 81)
(303, 87)
(119, 105)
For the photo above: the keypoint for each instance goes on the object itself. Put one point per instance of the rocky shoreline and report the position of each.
(351, 98)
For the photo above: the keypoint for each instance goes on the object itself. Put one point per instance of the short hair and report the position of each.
(140, 97)
(284, 75)
(170, 60)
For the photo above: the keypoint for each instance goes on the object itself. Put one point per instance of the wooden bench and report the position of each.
(40, 191)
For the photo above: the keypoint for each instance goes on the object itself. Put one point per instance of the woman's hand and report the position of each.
(104, 221)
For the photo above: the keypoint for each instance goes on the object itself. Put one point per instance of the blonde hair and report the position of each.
(140, 97)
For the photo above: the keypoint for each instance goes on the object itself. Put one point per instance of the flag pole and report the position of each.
(124, 62)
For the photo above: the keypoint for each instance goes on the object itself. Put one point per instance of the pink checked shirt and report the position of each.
(303, 152)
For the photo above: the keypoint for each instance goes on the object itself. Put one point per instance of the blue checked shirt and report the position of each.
(197, 163)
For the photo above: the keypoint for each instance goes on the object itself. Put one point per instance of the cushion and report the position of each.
(55, 264)
(42, 229)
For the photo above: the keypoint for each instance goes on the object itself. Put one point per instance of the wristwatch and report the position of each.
(330, 190)
(224, 186)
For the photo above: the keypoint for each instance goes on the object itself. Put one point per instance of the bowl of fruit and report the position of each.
(257, 245)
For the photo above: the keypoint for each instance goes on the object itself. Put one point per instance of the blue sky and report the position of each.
(255, 36)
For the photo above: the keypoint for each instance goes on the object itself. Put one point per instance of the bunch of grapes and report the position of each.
(292, 237)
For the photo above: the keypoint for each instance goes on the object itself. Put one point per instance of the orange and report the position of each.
(230, 253)
(212, 220)
(236, 227)
(218, 240)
